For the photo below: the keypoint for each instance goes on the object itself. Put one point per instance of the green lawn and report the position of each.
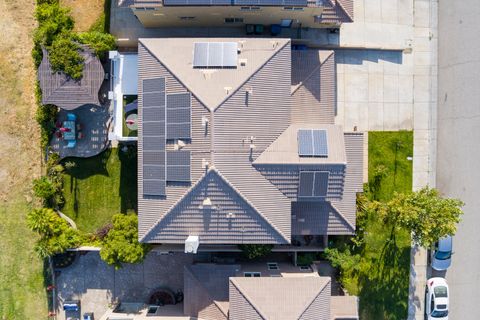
(99, 187)
(387, 153)
(22, 291)
(384, 279)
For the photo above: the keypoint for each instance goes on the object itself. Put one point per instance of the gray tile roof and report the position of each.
(249, 144)
(280, 298)
(344, 307)
(61, 90)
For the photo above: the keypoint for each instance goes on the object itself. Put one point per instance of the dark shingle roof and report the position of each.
(61, 90)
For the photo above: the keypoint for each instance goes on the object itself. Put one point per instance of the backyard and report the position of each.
(97, 188)
(376, 265)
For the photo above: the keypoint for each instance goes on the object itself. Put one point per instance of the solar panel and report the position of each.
(320, 186)
(305, 142)
(305, 185)
(153, 137)
(215, 55)
(320, 147)
(179, 116)
(302, 3)
(312, 143)
(313, 184)
(178, 166)
(197, 2)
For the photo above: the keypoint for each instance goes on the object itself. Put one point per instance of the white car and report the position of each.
(436, 299)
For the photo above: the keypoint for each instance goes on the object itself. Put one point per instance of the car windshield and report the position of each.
(440, 292)
(439, 314)
(443, 255)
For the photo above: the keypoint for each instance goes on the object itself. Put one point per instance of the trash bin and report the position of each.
(275, 29)
(88, 316)
(249, 29)
(258, 28)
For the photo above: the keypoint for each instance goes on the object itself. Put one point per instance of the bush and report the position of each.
(99, 42)
(52, 21)
(44, 188)
(64, 56)
(253, 251)
(56, 236)
(121, 244)
(45, 116)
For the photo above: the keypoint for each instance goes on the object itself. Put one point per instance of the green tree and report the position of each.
(425, 214)
(64, 56)
(44, 188)
(52, 21)
(253, 251)
(56, 236)
(121, 244)
(99, 42)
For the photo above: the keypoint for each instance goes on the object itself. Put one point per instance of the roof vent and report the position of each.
(230, 215)
(191, 244)
(204, 121)
(206, 204)
(179, 145)
(243, 62)
(205, 163)
(227, 90)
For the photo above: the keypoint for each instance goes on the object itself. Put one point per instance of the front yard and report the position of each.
(376, 265)
(97, 188)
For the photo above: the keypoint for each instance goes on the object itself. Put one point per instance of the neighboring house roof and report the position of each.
(206, 290)
(344, 308)
(61, 90)
(337, 11)
(279, 298)
(243, 146)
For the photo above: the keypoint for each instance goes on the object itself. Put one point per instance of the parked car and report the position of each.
(436, 299)
(442, 254)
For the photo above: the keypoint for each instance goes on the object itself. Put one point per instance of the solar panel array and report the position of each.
(179, 116)
(215, 55)
(178, 166)
(312, 143)
(313, 184)
(153, 125)
(302, 3)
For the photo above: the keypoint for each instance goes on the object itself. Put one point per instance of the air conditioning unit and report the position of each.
(191, 244)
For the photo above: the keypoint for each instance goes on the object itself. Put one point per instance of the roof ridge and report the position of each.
(314, 70)
(253, 73)
(251, 204)
(315, 297)
(174, 76)
(249, 299)
(342, 216)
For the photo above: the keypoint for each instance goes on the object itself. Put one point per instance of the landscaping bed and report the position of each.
(97, 188)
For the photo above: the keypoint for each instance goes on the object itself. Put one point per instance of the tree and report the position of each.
(121, 244)
(253, 251)
(43, 188)
(56, 236)
(64, 56)
(52, 21)
(425, 214)
(99, 42)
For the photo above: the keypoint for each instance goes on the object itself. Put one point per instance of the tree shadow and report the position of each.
(128, 177)
(84, 168)
(384, 286)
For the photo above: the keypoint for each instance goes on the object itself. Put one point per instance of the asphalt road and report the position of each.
(458, 153)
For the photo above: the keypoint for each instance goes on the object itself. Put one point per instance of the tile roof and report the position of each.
(279, 298)
(61, 90)
(244, 153)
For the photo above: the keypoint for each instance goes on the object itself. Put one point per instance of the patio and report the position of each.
(89, 136)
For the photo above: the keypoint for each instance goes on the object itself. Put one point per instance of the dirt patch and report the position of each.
(85, 12)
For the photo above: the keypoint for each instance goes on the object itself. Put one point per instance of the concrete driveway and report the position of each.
(458, 145)
(97, 284)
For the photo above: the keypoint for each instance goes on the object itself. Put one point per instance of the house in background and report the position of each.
(237, 13)
(237, 145)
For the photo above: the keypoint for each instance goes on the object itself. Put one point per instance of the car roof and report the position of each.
(445, 244)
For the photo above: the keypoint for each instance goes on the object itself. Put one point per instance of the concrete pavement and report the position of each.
(458, 174)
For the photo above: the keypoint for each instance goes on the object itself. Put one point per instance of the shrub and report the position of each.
(64, 56)
(56, 236)
(253, 251)
(121, 243)
(99, 42)
(45, 116)
(52, 21)
(44, 188)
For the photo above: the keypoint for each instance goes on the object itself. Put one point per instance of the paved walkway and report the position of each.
(93, 120)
